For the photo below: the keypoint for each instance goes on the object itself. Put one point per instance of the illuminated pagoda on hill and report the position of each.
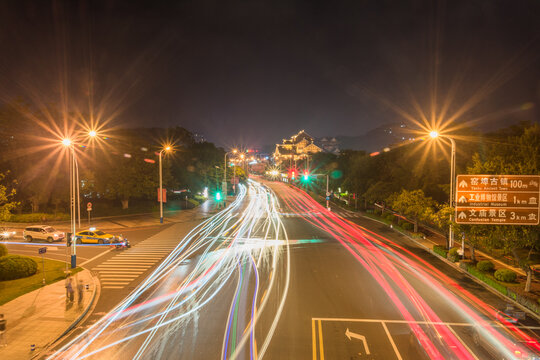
(298, 147)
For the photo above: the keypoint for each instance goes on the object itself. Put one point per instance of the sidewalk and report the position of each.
(42, 316)
(119, 222)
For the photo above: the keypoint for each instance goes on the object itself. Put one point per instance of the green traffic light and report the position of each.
(218, 196)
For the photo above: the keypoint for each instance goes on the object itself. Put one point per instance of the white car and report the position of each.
(42, 232)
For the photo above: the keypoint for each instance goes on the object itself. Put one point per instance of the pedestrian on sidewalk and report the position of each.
(3, 323)
(70, 293)
(80, 292)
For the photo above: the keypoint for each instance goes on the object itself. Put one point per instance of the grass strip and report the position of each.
(54, 271)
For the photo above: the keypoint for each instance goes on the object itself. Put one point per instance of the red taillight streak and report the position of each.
(424, 340)
(309, 203)
(345, 230)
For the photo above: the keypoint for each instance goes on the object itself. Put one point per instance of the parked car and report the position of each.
(42, 232)
(93, 236)
(6, 233)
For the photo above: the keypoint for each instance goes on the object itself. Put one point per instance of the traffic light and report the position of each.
(218, 196)
(293, 174)
(306, 175)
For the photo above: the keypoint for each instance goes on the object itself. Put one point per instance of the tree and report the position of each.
(380, 191)
(6, 203)
(474, 234)
(132, 178)
(519, 237)
(512, 151)
(414, 204)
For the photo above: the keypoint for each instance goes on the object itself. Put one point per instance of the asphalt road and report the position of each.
(281, 278)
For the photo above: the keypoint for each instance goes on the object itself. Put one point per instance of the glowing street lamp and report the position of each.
(73, 188)
(224, 185)
(167, 149)
(75, 205)
(435, 134)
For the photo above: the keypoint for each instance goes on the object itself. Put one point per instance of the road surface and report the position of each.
(277, 276)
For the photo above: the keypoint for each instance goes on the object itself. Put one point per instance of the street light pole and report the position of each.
(234, 177)
(73, 186)
(74, 194)
(452, 185)
(160, 190)
(161, 184)
(434, 134)
(224, 185)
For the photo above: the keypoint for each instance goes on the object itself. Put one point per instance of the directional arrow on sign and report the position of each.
(462, 215)
(463, 199)
(350, 335)
(463, 183)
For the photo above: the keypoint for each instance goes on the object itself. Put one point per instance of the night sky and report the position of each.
(253, 72)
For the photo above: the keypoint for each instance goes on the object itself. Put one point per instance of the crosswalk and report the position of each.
(341, 213)
(123, 268)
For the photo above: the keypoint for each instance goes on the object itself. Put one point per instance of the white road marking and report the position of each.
(419, 322)
(462, 342)
(115, 271)
(94, 258)
(135, 257)
(127, 261)
(392, 341)
(130, 266)
(362, 338)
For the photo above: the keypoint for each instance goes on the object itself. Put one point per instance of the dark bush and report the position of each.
(438, 249)
(453, 254)
(407, 226)
(16, 267)
(505, 275)
(3, 250)
(485, 278)
(485, 266)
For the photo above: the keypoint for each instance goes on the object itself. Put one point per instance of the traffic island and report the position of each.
(38, 318)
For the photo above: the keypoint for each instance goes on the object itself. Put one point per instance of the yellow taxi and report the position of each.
(93, 236)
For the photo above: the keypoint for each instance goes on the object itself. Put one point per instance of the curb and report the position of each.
(22, 225)
(96, 294)
(478, 281)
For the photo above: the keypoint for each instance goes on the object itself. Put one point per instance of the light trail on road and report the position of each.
(243, 247)
(393, 267)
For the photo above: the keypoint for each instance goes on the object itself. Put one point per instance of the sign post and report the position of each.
(497, 199)
(42, 251)
(89, 210)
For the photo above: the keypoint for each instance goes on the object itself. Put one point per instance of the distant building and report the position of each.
(198, 138)
(330, 145)
(298, 147)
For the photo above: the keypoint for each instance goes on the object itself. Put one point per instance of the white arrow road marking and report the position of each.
(350, 335)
